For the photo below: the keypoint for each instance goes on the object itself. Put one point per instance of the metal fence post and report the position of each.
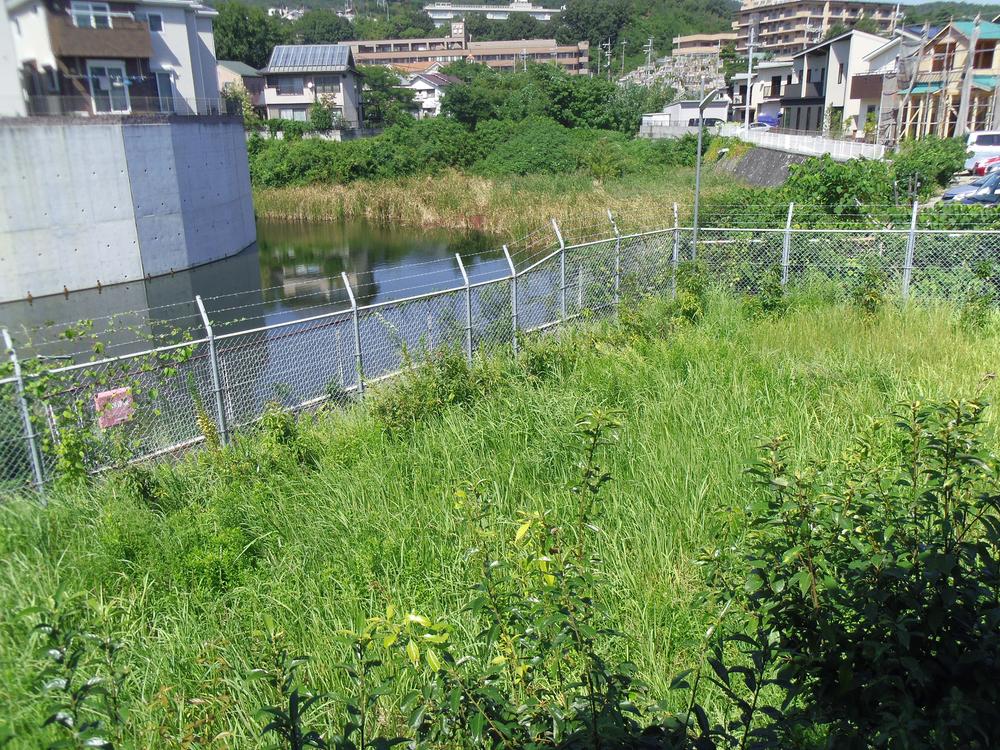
(357, 333)
(22, 402)
(562, 271)
(675, 261)
(213, 360)
(468, 308)
(513, 299)
(911, 242)
(786, 245)
(618, 260)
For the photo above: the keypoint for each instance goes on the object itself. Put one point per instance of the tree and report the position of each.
(383, 100)
(469, 103)
(322, 27)
(593, 20)
(246, 34)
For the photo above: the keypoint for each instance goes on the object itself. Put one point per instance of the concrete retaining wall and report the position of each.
(763, 167)
(98, 202)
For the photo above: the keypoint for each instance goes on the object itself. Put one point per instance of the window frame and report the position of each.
(282, 84)
(147, 17)
(92, 10)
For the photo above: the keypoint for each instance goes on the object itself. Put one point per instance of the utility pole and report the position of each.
(623, 58)
(746, 103)
(966, 91)
(944, 103)
(607, 57)
(649, 56)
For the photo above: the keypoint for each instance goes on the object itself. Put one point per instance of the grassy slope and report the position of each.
(374, 523)
(511, 207)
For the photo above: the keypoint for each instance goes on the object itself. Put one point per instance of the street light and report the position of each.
(697, 171)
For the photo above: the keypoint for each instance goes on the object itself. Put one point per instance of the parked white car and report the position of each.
(982, 145)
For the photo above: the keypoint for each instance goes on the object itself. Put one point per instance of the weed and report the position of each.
(868, 294)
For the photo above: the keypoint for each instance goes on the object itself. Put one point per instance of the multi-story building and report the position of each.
(959, 61)
(504, 56)
(299, 75)
(819, 96)
(786, 27)
(95, 57)
(698, 45)
(444, 13)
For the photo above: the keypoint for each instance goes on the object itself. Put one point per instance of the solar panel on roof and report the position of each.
(302, 57)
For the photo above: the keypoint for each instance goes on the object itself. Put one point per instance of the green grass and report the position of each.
(322, 548)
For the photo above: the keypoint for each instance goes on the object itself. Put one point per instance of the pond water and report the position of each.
(292, 272)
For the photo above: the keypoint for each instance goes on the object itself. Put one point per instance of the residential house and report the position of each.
(685, 113)
(786, 27)
(235, 73)
(11, 98)
(428, 92)
(768, 82)
(890, 68)
(298, 75)
(960, 58)
(818, 98)
(95, 57)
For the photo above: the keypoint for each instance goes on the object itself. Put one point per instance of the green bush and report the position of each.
(929, 163)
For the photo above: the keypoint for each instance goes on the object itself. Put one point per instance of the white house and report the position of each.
(428, 91)
(684, 113)
(298, 75)
(818, 98)
(92, 57)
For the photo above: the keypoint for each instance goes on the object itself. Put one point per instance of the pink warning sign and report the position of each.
(114, 407)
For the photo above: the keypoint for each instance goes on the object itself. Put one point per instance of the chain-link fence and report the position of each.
(91, 415)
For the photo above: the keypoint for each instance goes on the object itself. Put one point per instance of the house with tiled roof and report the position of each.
(299, 75)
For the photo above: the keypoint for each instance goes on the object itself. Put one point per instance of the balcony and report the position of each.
(127, 38)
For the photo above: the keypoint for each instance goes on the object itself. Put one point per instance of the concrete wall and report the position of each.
(88, 202)
(762, 167)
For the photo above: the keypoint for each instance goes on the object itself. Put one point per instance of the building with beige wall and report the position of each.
(701, 44)
(786, 27)
(503, 55)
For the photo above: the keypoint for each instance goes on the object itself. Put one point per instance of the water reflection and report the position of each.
(293, 272)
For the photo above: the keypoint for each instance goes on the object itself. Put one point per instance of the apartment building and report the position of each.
(299, 75)
(819, 96)
(503, 56)
(786, 27)
(699, 45)
(445, 13)
(960, 61)
(91, 57)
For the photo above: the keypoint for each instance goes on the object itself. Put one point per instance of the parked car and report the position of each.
(760, 126)
(986, 165)
(981, 145)
(709, 122)
(982, 184)
(990, 198)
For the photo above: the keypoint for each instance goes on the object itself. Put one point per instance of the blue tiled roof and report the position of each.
(306, 58)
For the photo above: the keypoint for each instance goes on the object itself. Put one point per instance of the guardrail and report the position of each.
(808, 145)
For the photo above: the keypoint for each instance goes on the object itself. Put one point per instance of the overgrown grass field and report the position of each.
(189, 565)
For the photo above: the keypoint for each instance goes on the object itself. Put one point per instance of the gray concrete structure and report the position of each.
(87, 203)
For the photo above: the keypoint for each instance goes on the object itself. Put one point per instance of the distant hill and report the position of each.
(939, 13)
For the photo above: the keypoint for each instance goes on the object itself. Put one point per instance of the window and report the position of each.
(327, 84)
(91, 15)
(840, 74)
(108, 86)
(984, 55)
(164, 91)
(290, 85)
(155, 21)
(293, 113)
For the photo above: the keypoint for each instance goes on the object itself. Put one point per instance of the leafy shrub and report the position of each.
(879, 576)
(771, 301)
(868, 293)
(979, 302)
(930, 162)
